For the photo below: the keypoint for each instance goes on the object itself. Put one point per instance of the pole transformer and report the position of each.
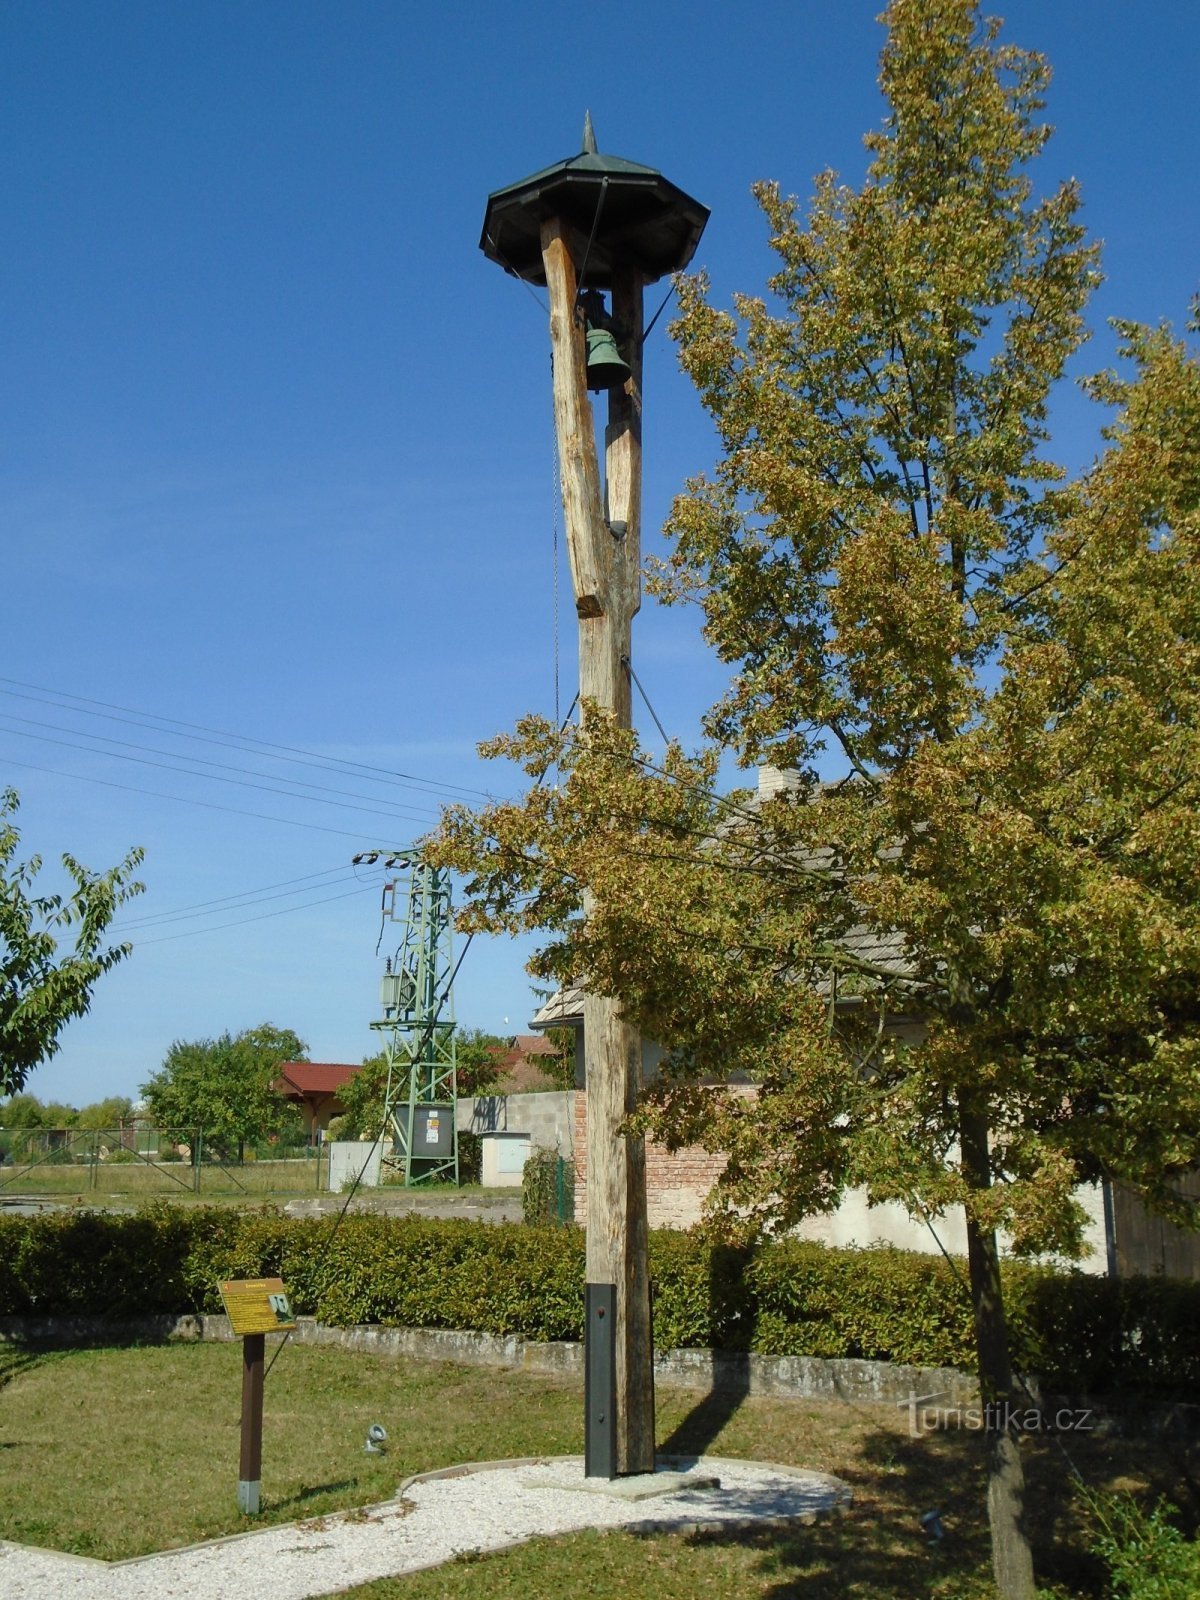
(417, 1021)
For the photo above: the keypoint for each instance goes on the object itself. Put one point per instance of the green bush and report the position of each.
(1080, 1334)
(547, 1189)
(1147, 1556)
(470, 1157)
(76, 1263)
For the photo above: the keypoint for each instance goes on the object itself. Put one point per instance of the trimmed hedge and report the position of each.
(1080, 1333)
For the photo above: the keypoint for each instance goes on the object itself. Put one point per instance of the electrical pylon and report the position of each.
(417, 1005)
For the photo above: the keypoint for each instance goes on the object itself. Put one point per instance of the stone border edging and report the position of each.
(711, 1371)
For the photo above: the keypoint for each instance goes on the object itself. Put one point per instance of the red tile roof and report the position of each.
(532, 1044)
(314, 1077)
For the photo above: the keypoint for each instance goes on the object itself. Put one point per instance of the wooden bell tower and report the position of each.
(590, 225)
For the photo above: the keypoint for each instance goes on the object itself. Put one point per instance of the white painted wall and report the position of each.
(503, 1158)
(856, 1224)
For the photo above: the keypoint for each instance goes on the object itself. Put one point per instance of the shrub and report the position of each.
(470, 1157)
(1080, 1334)
(878, 1305)
(1148, 1558)
(547, 1189)
(89, 1263)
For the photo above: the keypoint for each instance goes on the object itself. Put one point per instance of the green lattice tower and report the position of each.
(418, 1020)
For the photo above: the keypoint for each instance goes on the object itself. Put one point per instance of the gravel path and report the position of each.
(436, 1518)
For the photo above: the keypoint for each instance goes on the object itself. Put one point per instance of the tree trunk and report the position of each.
(1012, 1558)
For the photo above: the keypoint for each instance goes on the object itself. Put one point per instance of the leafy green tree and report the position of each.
(116, 1111)
(363, 1097)
(27, 1111)
(1001, 669)
(477, 1057)
(559, 1067)
(225, 1087)
(42, 984)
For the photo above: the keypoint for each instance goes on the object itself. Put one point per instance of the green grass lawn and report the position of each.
(115, 1452)
(130, 1184)
(89, 1182)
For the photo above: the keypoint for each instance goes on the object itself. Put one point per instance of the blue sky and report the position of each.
(277, 441)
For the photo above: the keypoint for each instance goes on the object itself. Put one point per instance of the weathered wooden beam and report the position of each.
(606, 577)
(578, 470)
(623, 436)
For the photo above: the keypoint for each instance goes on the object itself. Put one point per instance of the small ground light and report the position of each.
(931, 1523)
(376, 1444)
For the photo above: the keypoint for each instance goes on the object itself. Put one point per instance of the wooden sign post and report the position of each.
(586, 225)
(255, 1307)
(249, 1493)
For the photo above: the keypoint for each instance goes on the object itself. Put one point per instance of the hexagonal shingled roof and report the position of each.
(632, 215)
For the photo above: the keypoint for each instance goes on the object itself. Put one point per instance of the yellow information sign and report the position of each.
(256, 1305)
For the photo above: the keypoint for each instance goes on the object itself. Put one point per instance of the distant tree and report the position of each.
(559, 1067)
(43, 985)
(225, 1087)
(114, 1112)
(479, 1058)
(363, 1095)
(27, 1111)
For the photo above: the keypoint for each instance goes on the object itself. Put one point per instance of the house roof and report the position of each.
(563, 1008)
(882, 949)
(314, 1077)
(531, 1044)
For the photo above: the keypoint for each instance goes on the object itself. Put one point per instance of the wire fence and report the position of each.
(140, 1163)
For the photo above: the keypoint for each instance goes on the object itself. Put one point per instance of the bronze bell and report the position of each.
(605, 368)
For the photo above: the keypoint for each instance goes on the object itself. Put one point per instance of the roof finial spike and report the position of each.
(589, 135)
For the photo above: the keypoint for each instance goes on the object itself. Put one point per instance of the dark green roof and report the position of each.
(587, 161)
(634, 216)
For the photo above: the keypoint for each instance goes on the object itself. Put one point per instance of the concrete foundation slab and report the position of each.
(639, 1486)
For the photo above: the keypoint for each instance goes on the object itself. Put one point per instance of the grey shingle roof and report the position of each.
(562, 1009)
(885, 950)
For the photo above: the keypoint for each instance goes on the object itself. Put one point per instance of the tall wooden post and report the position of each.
(620, 226)
(605, 571)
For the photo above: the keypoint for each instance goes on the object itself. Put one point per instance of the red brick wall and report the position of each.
(676, 1185)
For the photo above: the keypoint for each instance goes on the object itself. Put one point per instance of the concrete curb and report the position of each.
(729, 1372)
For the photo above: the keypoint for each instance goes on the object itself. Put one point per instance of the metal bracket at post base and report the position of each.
(600, 1381)
(250, 1496)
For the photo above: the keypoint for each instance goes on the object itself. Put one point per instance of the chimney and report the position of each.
(777, 780)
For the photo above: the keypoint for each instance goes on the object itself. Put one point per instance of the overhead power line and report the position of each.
(407, 815)
(64, 700)
(203, 761)
(248, 898)
(263, 916)
(187, 800)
